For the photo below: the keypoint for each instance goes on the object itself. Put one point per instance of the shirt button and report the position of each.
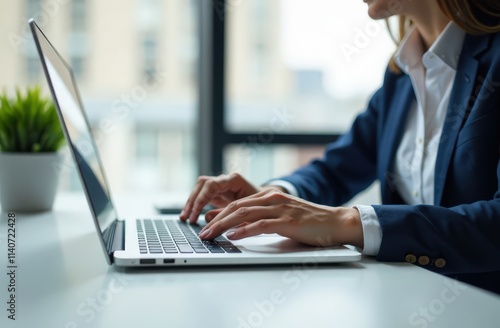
(416, 193)
(419, 141)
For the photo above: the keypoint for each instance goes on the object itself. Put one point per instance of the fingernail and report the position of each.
(230, 234)
(182, 214)
(205, 233)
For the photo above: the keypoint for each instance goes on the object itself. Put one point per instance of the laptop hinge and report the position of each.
(118, 242)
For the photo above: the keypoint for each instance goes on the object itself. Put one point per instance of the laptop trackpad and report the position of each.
(271, 244)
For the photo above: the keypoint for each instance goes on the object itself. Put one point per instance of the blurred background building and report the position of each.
(292, 66)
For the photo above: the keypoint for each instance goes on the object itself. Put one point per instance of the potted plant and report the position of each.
(30, 137)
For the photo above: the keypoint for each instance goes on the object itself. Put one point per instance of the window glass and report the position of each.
(135, 63)
(260, 162)
(318, 60)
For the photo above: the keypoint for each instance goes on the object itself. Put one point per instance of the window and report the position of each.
(32, 67)
(135, 66)
(78, 15)
(78, 43)
(258, 161)
(288, 76)
(319, 59)
(148, 18)
(146, 145)
(150, 48)
(296, 72)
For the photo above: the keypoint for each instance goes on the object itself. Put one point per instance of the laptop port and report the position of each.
(147, 261)
(168, 261)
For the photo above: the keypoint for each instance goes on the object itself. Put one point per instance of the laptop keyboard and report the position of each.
(171, 237)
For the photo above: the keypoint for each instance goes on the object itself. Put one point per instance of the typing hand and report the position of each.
(217, 191)
(272, 211)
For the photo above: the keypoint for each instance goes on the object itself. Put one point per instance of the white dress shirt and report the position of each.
(432, 75)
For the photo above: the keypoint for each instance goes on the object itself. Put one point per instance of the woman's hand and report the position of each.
(272, 211)
(217, 191)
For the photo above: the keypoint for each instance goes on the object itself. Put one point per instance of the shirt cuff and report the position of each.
(290, 188)
(372, 232)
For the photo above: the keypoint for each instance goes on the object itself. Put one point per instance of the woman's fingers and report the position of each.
(272, 225)
(186, 212)
(249, 214)
(209, 190)
(205, 190)
(288, 216)
(243, 206)
(217, 189)
(210, 215)
(267, 211)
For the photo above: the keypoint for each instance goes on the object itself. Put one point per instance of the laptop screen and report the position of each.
(76, 128)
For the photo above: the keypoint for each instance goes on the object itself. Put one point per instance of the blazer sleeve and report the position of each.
(463, 228)
(466, 236)
(348, 165)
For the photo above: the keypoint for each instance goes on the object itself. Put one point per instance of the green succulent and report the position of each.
(29, 123)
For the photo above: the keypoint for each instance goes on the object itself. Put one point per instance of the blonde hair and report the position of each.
(473, 16)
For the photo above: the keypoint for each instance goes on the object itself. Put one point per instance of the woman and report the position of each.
(430, 134)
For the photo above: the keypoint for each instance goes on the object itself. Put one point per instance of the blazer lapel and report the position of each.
(459, 106)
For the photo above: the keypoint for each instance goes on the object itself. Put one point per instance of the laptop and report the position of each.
(163, 240)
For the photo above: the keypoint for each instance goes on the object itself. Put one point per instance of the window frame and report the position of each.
(212, 135)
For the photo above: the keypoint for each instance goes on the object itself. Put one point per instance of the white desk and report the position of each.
(63, 280)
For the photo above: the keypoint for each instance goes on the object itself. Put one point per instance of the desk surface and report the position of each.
(62, 280)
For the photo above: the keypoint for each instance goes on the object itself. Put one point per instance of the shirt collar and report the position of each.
(447, 47)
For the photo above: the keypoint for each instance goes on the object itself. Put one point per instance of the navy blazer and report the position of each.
(463, 227)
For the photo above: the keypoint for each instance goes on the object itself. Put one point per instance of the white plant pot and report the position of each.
(28, 181)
